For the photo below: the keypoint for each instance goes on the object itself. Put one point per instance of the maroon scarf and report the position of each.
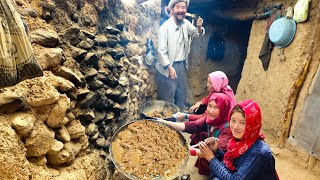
(222, 102)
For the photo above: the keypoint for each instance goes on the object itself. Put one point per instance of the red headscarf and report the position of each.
(252, 132)
(220, 83)
(222, 102)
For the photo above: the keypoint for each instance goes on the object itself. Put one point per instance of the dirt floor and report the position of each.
(288, 164)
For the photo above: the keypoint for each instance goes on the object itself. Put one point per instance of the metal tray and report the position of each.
(130, 176)
(151, 106)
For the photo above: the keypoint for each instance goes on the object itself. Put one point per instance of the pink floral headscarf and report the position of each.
(220, 83)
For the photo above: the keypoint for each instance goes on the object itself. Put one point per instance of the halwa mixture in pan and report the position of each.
(160, 114)
(147, 149)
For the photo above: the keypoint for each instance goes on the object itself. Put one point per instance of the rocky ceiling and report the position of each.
(224, 4)
(220, 10)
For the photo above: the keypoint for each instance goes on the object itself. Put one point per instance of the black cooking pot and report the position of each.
(147, 108)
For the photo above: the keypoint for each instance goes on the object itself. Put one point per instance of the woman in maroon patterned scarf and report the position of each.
(213, 124)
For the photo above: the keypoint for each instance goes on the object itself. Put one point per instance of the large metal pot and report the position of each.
(150, 106)
(130, 176)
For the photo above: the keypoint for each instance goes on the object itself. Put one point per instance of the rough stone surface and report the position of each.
(56, 147)
(68, 74)
(58, 112)
(76, 24)
(45, 38)
(75, 129)
(13, 163)
(59, 158)
(63, 134)
(73, 148)
(60, 83)
(50, 58)
(39, 160)
(41, 93)
(23, 123)
(40, 140)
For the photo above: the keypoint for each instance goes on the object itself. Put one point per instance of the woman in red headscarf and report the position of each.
(217, 83)
(248, 156)
(214, 124)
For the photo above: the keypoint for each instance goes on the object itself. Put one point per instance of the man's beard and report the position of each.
(179, 21)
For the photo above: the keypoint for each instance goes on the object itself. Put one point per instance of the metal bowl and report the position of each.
(150, 106)
(282, 31)
(130, 176)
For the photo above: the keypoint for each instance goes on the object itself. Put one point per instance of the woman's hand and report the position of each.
(180, 126)
(213, 143)
(180, 116)
(195, 107)
(161, 120)
(206, 152)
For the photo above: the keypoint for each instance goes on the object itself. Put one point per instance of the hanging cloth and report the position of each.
(266, 49)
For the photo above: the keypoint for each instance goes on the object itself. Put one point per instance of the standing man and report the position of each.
(174, 41)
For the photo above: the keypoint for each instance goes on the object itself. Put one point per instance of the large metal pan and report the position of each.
(130, 176)
(150, 106)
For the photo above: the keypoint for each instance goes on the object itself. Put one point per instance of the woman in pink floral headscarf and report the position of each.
(217, 83)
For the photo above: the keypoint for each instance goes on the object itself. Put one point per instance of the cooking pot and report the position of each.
(282, 31)
(178, 173)
(150, 106)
